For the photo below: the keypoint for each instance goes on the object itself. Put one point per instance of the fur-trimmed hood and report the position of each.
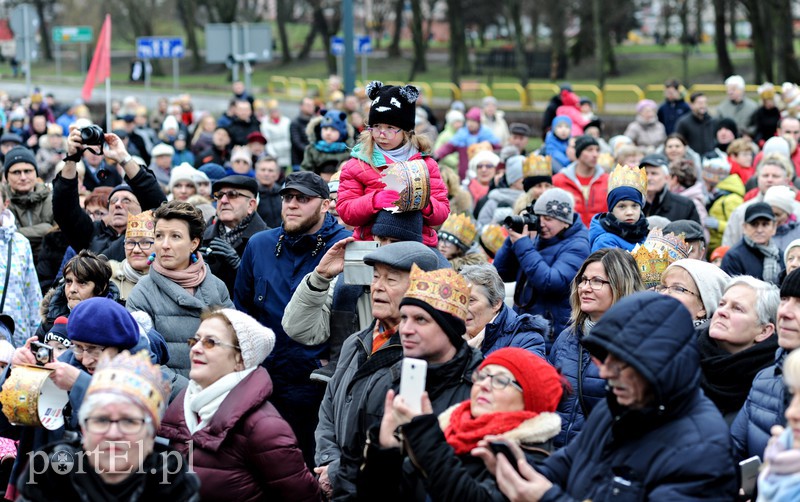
(539, 429)
(314, 132)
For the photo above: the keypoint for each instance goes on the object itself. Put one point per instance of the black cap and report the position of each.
(691, 230)
(758, 210)
(10, 137)
(236, 181)
(729, 124)
(584, 142)
(19, 154)
(122, 187)
(520, 129)
(307, 183)
(655, 160)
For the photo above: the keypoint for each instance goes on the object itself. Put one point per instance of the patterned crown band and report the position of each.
(442, 289)
(141, 225)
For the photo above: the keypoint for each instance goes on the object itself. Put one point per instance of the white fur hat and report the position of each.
(255, 341)
(780, 196)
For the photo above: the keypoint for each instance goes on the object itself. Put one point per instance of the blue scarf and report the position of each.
(335, 147)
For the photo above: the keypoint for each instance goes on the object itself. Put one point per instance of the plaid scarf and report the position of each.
(772, 264)
(233, 235)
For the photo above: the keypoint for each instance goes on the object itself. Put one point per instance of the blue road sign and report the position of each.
(159, 47)
(361, 44)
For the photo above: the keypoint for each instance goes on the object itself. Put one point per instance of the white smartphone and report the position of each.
(749, 474)
(412, 382)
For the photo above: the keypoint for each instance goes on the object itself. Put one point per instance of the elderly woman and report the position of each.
(139, 240)
(698, 285)
(482, 168)
(512, 399)
(791, 256)
(491, 325)
(604, 278)
(738, 342)
(179, 285)
(240, 446)
(645, 130)
(544, 262)
(124, 403)
(780, 477)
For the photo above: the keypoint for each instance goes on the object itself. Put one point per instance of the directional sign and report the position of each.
(361, 45)
(159, 47)
(72, 34)
(21, 15)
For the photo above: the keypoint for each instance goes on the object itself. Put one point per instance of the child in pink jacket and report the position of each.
(389, 139)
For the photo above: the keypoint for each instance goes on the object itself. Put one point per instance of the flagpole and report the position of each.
(108, 104)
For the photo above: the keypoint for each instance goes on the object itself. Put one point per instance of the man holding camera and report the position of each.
(544, 260)
(28, 199)
(107, 236)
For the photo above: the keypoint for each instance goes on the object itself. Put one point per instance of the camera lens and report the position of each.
(92, 135)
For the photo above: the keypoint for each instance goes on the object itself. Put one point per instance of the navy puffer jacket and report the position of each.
(587, 391)
(546, 267)
(674, 448)
(764, 408)
(512, 330)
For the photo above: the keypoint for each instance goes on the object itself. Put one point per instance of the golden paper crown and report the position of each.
(135, 377)
(442, 289)
(626, 176)
(656, 253)
(459, 229)
(493, 236)
(141, 225)
(606, 161)
(537, 165)
(477, 147)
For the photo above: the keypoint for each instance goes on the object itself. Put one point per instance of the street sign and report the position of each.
(238, 41)
(72, 34)
(362, 45)
(19, 15)
(159, 47)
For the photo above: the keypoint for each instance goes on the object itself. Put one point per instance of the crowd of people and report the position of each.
(233, 297)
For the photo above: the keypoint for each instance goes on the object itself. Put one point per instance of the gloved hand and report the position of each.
(385, 198)
(712, 223)
(220, 248)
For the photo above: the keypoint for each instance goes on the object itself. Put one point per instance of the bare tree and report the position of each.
(283, 14)
(187, 13)
(724, 63)
(459, 58)
(394, 47)
(419, 64)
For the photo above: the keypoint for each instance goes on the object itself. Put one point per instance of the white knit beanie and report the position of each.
(791, 245)
(255, 341)
(183, 172)
(709, 279)
(781, 197)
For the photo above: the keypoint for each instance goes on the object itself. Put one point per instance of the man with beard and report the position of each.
(273, 264)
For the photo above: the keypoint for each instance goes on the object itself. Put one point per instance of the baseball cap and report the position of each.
(758, 210)
(307, 183)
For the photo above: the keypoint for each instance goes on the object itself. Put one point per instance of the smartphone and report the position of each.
(412, 382)
(748, 470)
(502, 448)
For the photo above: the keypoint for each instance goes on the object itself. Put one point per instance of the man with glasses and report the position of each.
(657, 436)
(227, 234)
(273, 264)
(30, 201)
(141, 192)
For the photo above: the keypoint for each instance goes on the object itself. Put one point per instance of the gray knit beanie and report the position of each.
(555, 203)
(709, 279)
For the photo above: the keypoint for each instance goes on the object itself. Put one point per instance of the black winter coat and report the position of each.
(269, 205)
(677, 446)
(220, 267)
(742, 259)
(672, 207)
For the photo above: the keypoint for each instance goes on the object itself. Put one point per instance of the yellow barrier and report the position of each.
(425, 88)
(598, 94)
(546, 90)
(319, 84)
(299, 82)
(455, 92)
(522, 95)
(621, 88)
(471, 87)
(278, 80)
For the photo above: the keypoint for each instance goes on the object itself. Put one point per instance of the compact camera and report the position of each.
(42, 352)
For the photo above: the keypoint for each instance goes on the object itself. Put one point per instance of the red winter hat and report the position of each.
(540, 382)
(474, 113)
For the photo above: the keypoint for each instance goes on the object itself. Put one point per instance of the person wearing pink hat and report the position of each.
(645, 130)
(471, 133)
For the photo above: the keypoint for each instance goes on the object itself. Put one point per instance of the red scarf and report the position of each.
(464, 431)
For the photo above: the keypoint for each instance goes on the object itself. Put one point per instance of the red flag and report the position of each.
(100, 69)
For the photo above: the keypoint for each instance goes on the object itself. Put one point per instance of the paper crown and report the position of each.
(656, 253)
(606, 161)
(141, 225)
(626, 176)
(459, 229)
(493, 236)
(537, 165)
(477, 147)
(412, 181)
(442, 289)
(135, 377)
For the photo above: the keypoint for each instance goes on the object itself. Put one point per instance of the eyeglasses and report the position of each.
(97, 214)
(209, 343)
(498, 382)
(20, 172)
(301, 199)
(230, 194)
(595, 283)
(94, 352)
(660, 288)
(127, 426)
(485, 166)
(389, 132)
(124, 201)
(143, 245)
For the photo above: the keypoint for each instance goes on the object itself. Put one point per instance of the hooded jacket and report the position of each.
(673, 448)
(598, 191)
(544, 269)
(33, 212)
(314, 157)
(499, 202)
(729, 195)
(361, 179)
(247, 452)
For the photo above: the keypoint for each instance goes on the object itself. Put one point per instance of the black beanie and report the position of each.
(791, 285)
(392, 105)
(404, 226)
(19, 154)
(452, 326)
(584, 142)
(729, 124)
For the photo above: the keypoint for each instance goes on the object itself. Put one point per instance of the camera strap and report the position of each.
(8, 273)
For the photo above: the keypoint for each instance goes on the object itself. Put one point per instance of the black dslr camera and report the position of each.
(42, 352)
(92, 135)
(517, 223)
